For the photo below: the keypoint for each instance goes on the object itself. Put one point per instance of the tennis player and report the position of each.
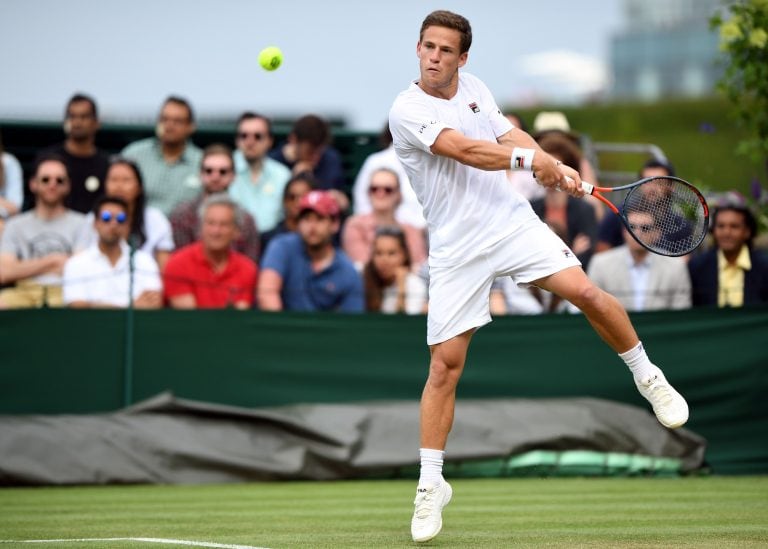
(455, 146)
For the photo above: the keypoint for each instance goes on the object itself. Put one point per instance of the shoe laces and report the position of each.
(425, 502)
(658, 390)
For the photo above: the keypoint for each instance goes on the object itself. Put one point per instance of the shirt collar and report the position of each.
(743, 261)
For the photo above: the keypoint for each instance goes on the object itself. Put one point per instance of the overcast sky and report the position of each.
(342, 58)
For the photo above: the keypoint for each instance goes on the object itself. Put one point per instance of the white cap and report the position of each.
(549, 121)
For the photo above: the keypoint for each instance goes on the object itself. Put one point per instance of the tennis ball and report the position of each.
(270, 58)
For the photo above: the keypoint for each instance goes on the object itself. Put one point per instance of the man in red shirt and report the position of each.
(209, 274)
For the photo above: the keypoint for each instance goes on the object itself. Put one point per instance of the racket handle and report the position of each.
(588, 187)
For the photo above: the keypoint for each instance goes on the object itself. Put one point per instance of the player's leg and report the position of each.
(611, 322)
(439, 396)
(438, 402)
(459, 298)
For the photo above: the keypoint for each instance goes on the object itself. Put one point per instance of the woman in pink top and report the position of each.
(359, 230)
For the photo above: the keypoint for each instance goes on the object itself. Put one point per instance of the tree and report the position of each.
(744, 42)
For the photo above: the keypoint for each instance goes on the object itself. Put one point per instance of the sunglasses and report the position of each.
(381, 188)
(106, 217)
(645, 228)
(221, 171)
(49, 179)
(258, 136)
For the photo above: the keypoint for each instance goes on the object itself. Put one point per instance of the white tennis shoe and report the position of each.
(670, 407)
(428, 514)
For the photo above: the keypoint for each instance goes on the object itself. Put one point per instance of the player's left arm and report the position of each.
(518, 138)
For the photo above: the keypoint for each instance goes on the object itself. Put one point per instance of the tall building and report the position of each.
(666, 49)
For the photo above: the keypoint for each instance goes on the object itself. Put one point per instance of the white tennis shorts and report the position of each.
(459, 295)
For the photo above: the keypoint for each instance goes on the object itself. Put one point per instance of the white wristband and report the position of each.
(522, 159)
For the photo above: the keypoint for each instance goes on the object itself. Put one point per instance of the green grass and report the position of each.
(714, 512)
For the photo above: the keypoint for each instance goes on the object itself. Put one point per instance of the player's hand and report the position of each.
(546, 171)
(571, 183)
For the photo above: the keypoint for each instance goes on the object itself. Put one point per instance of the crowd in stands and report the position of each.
(277, 227)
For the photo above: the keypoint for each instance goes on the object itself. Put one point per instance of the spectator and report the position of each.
(575, 215)
(259, 179)
(86, 163)
(169, 162)
(732, 273)
(11, 186)
(209, 274)
(217, 171)
(36, 244)
(149, 229)
(359, 230)
(610, 229)
(103, 275)
(409, 211)
(304, 271)
(391, 286)
(298, 186)
(640, 280)
(308, 149)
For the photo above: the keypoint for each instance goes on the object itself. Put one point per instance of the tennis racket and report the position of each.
(666, 215)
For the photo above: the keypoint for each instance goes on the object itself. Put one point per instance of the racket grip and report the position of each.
(588, 187)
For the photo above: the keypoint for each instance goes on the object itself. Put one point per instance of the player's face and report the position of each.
(217, 173)
(387, 256)
(219, 228)
(440, 60)
(730, 231)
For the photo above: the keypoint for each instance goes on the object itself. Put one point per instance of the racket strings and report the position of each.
(666, 216)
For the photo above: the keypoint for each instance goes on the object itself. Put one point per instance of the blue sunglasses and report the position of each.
(106, 217)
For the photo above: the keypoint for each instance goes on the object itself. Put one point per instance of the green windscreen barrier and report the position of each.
(68, 361)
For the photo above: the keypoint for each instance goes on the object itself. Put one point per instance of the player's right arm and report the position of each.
(487, 155)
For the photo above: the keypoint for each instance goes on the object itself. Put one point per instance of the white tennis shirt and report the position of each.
(467, 209)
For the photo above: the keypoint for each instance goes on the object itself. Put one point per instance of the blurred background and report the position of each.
(638, 71)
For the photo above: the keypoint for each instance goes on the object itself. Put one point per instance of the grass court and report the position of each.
(716, 512)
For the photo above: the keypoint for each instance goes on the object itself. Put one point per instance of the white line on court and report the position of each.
(145, 540)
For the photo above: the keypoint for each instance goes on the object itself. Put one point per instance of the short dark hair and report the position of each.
(303, 177)
(656, 163)
(250, 115)
(82, 98)
(313, 130)
(180, 101)
(749, 219)
(107, 199)
(450, 20)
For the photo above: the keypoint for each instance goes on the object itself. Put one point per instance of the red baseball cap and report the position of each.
(320, 202)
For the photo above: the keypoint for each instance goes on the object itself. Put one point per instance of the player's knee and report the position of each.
(443, 373)
(591, 298)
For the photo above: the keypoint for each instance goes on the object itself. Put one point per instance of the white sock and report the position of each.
(639, 363)
(431, 466)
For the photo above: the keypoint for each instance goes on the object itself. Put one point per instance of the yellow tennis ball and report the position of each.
(271, 58)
